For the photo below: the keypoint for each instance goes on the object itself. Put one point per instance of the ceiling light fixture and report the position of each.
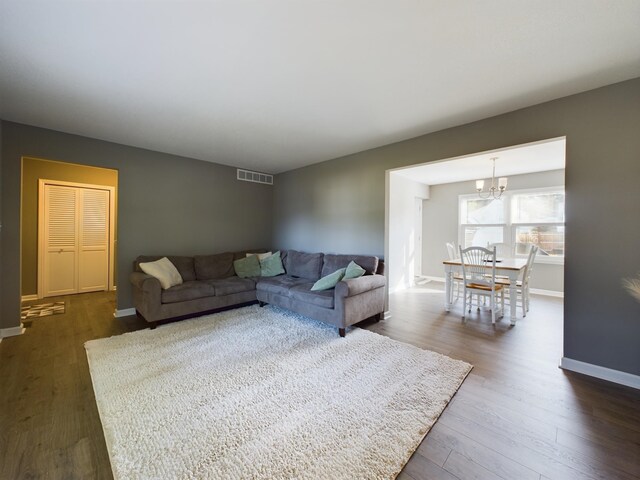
(494, 191)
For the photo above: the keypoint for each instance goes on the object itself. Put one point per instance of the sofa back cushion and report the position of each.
(211, 267)
(335, 262)
(185, 265)
(303, 265)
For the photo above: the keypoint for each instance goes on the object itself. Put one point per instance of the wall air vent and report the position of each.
(256, 177)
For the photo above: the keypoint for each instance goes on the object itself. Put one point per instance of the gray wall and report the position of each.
(166, 204)
(1, 233)
(339, 206)
(440, 225)
(329, 209)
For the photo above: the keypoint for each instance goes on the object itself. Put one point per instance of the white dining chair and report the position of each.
(502, 251)
(452, 251)
(480, 282)
(523, 290)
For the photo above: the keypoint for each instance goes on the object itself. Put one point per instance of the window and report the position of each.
(537, 217)
(520, 218)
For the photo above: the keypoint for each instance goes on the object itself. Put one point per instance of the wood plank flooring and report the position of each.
(517, 416)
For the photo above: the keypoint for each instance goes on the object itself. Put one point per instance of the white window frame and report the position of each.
(509, 227)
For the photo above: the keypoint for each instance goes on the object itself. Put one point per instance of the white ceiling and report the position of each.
(517, 160)
(273, 85)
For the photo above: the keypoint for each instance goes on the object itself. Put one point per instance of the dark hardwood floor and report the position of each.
(517, 416)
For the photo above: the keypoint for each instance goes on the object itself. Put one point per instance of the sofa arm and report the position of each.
(145, 282)
(147, 295)
(355, 286)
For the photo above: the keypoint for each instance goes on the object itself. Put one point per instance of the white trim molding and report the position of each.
(11, 332)
(125, 312)
(28, 298)
(603, 373)
(547, 293)
(433, 279)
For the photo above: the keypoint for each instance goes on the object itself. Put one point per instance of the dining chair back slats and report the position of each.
(475, 262)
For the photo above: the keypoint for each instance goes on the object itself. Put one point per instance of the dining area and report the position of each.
(481, 278)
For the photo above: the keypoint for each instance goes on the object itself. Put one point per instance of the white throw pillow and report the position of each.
(261, 256)
(163, 270)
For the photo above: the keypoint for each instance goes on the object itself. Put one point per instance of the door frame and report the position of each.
(417, 236)
(41, 246)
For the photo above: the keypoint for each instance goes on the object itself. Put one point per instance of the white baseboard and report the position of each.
(11, 332)
(28, 298)
(125, 312)
(433, 279)
(547, 293)
(603, 373)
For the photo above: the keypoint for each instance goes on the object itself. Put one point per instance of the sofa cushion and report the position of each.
(231, 285)
(328, 281)
(184, 265)
(247, 266)
(303, 293)
(187, 291)
(261, 256)
(304, 265)
(243, 253)
(210, 267)
(279, 285)
(165, 271)
(271, 266)
(353, 270)
(334, 262)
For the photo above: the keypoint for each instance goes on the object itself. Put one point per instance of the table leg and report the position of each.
(513, 298)
(448, 283)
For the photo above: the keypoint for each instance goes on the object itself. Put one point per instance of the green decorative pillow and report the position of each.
(271, 266)
(353, 271)
(329, 281)
(247, 267)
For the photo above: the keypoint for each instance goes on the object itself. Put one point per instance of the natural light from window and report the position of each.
(514, 222)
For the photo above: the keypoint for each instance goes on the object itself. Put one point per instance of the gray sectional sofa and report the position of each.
(210, 283)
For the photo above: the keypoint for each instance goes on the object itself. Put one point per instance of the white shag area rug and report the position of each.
(264, 393)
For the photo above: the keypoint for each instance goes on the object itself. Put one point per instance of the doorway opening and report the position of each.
(530, 212)
(68, 229)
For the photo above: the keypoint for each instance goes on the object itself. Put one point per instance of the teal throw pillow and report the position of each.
(271, 266)
(329, 281)
(247, 267)
(354, 271)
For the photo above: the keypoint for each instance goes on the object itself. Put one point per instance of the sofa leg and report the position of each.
(262, 304)
(341, 332)
(153, 325)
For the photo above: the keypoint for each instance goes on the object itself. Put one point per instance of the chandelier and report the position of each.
(495, 190)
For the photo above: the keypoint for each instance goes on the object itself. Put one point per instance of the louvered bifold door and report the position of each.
(93, 236)
(60, 240)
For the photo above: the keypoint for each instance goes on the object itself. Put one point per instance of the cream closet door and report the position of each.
(60, 240)
(76, 239)
(93, 240)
